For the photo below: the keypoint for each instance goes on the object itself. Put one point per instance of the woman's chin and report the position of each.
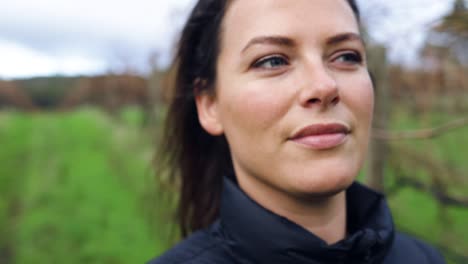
(322, 186)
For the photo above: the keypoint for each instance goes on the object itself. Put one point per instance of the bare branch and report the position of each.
(420, 134)
(441, 196)
(440, 172)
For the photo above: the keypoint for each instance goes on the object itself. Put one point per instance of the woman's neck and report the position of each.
(325, 217)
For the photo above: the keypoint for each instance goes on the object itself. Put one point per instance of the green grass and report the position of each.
(81, 181)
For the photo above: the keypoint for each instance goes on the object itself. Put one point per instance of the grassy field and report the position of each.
(78, 188)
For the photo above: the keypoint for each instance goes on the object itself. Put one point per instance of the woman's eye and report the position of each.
(270, 62)
(349, 58)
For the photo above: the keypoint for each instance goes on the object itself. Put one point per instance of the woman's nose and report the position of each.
(319, 89)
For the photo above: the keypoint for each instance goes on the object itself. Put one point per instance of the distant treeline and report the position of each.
(109, 92)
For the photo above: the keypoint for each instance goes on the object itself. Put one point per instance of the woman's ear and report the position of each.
(208, 113)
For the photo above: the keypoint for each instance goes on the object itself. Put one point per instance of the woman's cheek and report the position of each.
(258, 105)
(360, 97)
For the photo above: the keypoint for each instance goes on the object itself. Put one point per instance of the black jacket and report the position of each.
(248, 233)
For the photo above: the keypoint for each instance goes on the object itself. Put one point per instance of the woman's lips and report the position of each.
(321, 136)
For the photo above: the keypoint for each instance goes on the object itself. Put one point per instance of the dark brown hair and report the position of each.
(193, 159)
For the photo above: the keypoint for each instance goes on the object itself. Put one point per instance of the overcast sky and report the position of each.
(94, 36)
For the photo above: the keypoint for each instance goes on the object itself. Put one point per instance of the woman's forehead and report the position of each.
(246, 19)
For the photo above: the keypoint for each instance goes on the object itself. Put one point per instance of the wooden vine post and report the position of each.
(378, 149)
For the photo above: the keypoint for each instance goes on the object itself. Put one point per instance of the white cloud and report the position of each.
(20, 61)
(402, 26)
(84, 34)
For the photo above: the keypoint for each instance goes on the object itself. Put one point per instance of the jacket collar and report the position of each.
(256, 235)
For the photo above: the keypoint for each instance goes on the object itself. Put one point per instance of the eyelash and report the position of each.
(351, 58)
(261, 62)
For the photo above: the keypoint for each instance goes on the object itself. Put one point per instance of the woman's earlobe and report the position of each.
(208, 113)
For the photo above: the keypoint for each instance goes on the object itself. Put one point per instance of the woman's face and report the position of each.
(293, 95)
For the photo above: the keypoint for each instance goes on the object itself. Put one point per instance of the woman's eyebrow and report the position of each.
(270, 40)
(335, 40)
(288, 42)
